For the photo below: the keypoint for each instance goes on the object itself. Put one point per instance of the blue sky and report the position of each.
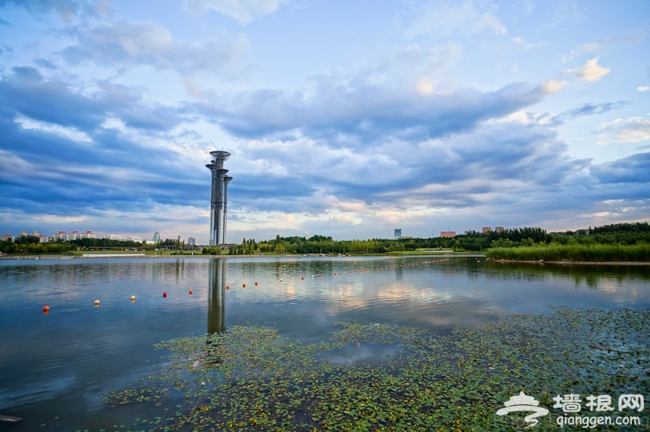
(346, 119)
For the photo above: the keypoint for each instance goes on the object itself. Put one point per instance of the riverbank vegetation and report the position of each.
(573, 252)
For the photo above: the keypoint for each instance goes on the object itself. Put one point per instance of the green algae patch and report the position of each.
(253, 379)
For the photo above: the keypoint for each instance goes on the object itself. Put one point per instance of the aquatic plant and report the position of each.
(254, 379)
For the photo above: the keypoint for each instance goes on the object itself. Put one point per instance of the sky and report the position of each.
(347, 119)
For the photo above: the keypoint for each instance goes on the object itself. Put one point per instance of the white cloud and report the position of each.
(591, 71)
(632, 130)
(643, 88)
(444, 19)
(67, 132)
(552, 86)
(243, 11)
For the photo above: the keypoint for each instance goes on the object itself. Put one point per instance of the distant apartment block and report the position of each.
(74, 235)
(134, 238)
(58, 236)
(486, 230)
(191, 241)
(498, 229)
(448, 234)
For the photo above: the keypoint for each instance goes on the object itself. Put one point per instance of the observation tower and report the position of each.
(219, 197)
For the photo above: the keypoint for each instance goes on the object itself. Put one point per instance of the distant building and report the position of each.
(191, 241)
(156, 237)
(87, 234)
(498, 229)
(7, 238)
(58, 236)
(134, 239)
(448, 234)
(485, 230)
(113, 237)
(23, 234)
(42, 238)
(398, 233)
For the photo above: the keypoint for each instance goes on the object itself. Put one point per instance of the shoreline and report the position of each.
(566, 262)
(490, 260)
(113, 256)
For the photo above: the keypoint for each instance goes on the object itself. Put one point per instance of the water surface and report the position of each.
(54, 367)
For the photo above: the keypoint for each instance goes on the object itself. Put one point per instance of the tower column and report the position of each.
(226, 180)
(217, 194)
(221, 173)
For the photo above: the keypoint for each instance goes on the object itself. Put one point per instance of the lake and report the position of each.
(54, 367)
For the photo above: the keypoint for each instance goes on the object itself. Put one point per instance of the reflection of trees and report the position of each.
(589, 275)
(217, 296)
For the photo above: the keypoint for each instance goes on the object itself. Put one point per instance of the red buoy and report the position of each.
(165, 294)
(227, 286)
(191, 292)
(46, 309)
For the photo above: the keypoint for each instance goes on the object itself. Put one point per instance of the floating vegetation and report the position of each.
(253, 379)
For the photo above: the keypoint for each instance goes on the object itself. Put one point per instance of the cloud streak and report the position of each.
(243, 11)
(146, 43)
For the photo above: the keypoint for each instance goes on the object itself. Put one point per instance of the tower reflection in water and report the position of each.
(217, 296)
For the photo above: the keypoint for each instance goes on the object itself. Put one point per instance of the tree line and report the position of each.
(473, 241)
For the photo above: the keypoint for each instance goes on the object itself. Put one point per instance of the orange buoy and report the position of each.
(227, 286)
(255, 283)
(191, 292)
(96, 302)
(340, 273)
(243, 285)
(46, 309)
(132, 298)
(165, 294)
(303, 278)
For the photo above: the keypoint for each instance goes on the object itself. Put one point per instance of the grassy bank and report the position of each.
(575, 252)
